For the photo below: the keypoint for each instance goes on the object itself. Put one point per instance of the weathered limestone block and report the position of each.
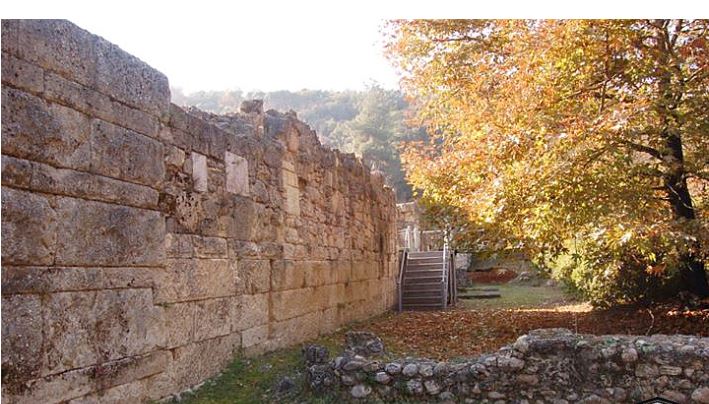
(200, 360)
(213, 318)
(185, 280)
(178, 245)
(283, 307)
(36, 130)
(254, 339)
(44, 280)
(95, 233)
(29, 227)
(250, 311)
(253, 276)
(179, 323)
(21, 74)
(88, 328)
(209, 247)
(124, 154)
(77, 383)
(237, 174)
(287, 274)
(319, 273)
(46, 178)
(130, 80)
(59, 46)
(21, 337)
(199, 172)
(295, 330)
(87, 100)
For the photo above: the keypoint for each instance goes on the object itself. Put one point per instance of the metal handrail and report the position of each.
(400, 280)
(444, 278)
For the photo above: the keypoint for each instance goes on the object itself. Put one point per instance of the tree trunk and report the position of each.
(692, 271)
(691, 266)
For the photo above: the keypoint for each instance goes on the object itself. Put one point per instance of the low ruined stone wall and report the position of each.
(545, 366)
(144, 245)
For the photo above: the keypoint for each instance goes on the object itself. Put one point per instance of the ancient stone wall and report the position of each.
(144, 245)
(545, 366)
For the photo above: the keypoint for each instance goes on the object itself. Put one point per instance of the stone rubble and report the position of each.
(544, 366)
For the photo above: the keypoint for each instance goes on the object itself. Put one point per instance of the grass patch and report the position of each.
(518, 296)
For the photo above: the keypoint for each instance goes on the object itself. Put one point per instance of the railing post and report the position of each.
(400, 280)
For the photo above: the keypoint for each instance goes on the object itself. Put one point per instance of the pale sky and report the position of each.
(253, 51)
(291, 44)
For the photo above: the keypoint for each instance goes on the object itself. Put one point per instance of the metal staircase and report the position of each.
(427, 280)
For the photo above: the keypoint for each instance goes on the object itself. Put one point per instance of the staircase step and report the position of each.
(438, 266)
(421, 306)
(424, 272)
(425, 254)
(422, 279)
(422, 293)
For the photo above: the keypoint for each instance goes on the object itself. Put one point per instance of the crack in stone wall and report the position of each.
(144, 245)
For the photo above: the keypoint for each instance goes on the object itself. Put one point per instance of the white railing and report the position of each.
(400, 280)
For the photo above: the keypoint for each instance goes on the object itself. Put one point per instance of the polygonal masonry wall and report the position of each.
(144, 245)
(544, 366)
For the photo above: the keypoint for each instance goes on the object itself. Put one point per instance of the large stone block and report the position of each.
(130, 80)
(36, 130)
(179, 245)
(209, 247)
(88, 328)
(59, 46)
(21, 74)
(95, 233)
(29, 226)
(124, 154)
(319, 273)
(74, 384)
(283, 307)
(196, 362)
(237, 174)
(253, 338)
(251, 311)
(60, 181)
(213, 318)
(43, 280)
(179, 324)
(287, 274)
(296, 329)
(187, 279)
(199, 172)
(85, 99)
(21, 339)
(254, 276)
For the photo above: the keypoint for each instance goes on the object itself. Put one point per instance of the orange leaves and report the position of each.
(454, 333)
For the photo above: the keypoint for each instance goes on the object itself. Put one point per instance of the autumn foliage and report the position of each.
(583, 141)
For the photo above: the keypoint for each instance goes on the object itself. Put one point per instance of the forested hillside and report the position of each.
(371, 123)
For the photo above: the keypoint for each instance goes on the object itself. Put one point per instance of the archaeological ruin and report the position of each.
(145, 245)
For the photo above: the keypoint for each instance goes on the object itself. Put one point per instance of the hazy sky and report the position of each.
(292, 44)
(254, 50)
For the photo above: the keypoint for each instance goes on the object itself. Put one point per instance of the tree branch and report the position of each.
(641, 148)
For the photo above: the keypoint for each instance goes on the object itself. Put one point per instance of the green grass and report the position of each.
(254, 380)
(518, 296)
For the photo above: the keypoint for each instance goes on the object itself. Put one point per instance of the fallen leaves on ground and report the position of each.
(466, 332)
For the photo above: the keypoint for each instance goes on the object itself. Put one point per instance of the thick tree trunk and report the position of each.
(692, 269)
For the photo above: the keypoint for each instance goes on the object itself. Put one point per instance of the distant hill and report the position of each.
(370, 123)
